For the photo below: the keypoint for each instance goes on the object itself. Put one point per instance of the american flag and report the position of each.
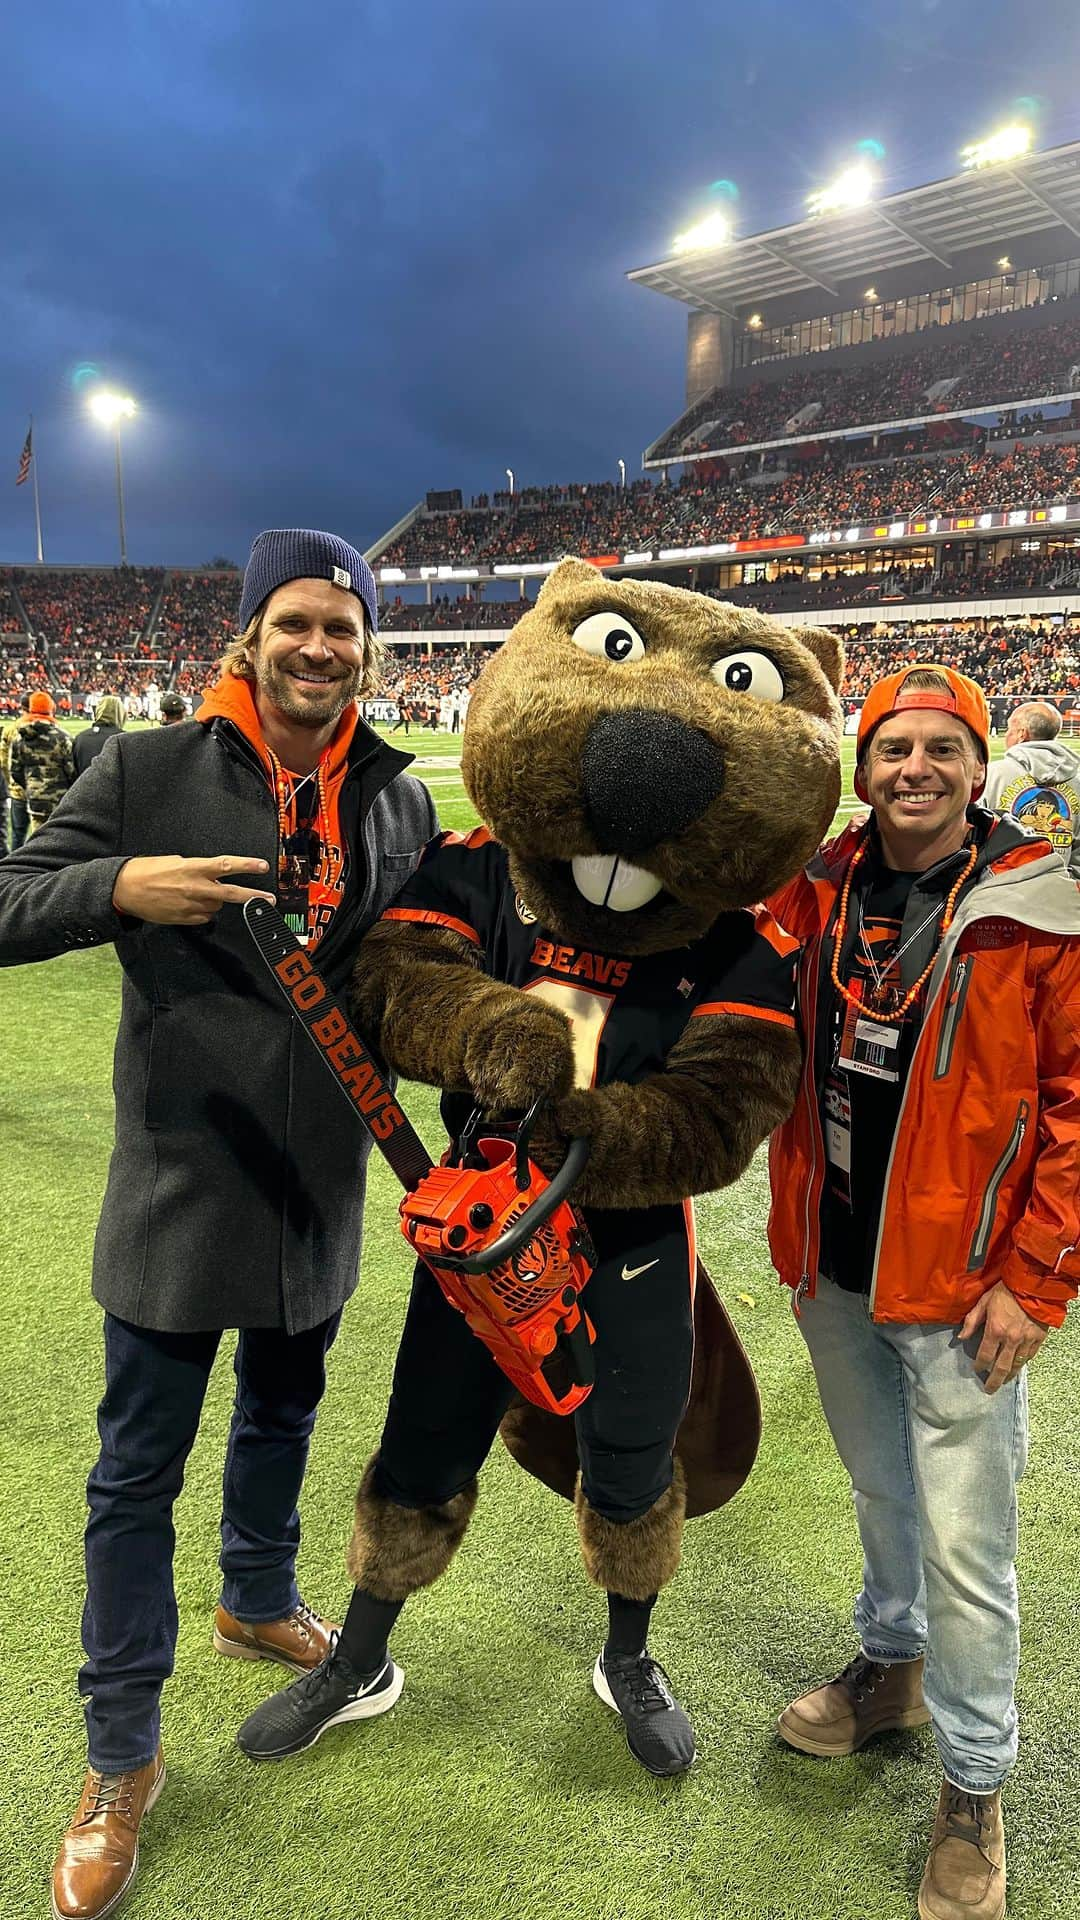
(25, 458)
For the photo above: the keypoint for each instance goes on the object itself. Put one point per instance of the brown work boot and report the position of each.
(868, 1697)
(100, 1850)
(965, 1874)
(300, 1641)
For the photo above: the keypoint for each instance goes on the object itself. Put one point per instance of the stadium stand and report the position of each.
(461, 614)
(78, 613)
(993, 365)
(823, 487)
(198, 612)
(1004, 660)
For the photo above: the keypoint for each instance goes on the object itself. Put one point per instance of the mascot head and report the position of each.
(651, 758)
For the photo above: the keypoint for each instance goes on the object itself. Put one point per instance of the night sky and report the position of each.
(346, 251)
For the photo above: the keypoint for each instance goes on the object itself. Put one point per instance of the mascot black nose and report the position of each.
(645, 777)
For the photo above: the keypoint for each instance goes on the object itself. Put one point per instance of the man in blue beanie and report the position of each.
(231, 1203)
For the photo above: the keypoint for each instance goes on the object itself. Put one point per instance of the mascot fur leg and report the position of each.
(634, 1557)
(394, 1550)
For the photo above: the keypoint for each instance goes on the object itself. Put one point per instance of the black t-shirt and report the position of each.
(862, 1104)
(627, 1012)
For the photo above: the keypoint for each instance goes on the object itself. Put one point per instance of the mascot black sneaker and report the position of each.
(658, 1732)
(327, 1697)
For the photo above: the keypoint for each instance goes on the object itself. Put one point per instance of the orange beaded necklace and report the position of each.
(855, 999)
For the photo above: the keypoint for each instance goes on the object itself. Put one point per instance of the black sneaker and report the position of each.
(658, 1732)
(330, 1694)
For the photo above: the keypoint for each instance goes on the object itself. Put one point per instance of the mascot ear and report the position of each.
(827, 650)
(569, 573)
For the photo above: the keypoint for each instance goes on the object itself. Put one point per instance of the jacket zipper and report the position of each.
(983, 1231)
(810, 1014)
(954, 1006)
(931, 1000)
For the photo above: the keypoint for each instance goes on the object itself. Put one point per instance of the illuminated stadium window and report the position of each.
(1004, 293)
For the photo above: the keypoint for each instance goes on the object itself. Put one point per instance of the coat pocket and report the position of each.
(159, 1092)
(959, 982)
(984, 1226)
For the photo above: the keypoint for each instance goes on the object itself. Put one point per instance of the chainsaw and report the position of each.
(508, 1249)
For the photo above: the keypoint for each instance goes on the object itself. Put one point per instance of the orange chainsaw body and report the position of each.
(525, 1309)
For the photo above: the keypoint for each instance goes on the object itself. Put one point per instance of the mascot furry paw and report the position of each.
(649, 764)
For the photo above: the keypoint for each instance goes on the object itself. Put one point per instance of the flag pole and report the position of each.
(37, 502)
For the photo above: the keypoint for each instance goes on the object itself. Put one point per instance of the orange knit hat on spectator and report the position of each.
(43, 704)
(964, 698)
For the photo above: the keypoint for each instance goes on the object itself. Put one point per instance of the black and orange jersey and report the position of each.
(627, 1011)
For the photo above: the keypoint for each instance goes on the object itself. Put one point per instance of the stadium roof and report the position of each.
(1037, 193)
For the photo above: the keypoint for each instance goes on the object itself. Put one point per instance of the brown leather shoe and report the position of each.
(867, 1698)
(965, 1874)
(300, 1641)
(100, 1850)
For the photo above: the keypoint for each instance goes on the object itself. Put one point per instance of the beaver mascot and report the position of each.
(649, 763)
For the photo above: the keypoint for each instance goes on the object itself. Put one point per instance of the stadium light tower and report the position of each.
(713, 231)
(622, 473)
(509, 472)
(852, 188)
(110, 409)
(1007, 144)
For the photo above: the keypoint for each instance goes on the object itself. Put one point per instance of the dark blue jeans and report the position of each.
(155, 1384)
(20, 822)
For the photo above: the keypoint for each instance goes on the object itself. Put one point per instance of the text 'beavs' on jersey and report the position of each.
(626, 1013)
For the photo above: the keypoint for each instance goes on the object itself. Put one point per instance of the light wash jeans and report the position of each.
(934, 1463)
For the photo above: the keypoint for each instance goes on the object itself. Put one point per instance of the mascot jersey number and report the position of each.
(649, 764)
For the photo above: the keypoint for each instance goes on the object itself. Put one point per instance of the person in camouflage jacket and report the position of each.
(19, 818)
(42, 761)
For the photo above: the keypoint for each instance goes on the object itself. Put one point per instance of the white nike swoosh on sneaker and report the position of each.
(631, 1273)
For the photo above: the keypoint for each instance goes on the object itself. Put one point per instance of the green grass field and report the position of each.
(499, 1787)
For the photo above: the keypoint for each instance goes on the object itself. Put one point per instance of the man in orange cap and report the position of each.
(926, 1213)
(42, 759)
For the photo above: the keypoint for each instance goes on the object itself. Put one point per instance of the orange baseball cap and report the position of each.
(965, 698)
(43, 703)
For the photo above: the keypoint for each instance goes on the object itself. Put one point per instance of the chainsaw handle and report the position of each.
(515, 1237)
(579, 1352)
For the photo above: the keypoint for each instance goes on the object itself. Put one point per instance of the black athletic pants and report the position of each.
(449, 1396)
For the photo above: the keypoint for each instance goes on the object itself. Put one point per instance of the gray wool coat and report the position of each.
(236, 1184)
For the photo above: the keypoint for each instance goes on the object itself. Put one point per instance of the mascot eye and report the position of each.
(752, 673)
(611, 638)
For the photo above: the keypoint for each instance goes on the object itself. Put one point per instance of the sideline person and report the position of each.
(926, 1211)
(18, 813)
(42, 762)
(232, 1200)
(109, 718)
(1038, 780)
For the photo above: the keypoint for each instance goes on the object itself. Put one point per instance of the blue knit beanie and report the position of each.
(303, 553)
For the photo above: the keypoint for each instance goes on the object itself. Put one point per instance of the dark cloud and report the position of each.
(344, 252)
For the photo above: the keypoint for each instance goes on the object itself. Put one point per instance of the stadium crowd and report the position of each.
(198, 611)
(821, 488)
(1005, 660)
(76, 612)
(123, 632)
(985, 365)
(443, 612)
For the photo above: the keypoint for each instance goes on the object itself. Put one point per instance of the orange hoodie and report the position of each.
(233, 699)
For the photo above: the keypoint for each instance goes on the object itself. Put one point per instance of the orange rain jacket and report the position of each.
(983, 1180)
